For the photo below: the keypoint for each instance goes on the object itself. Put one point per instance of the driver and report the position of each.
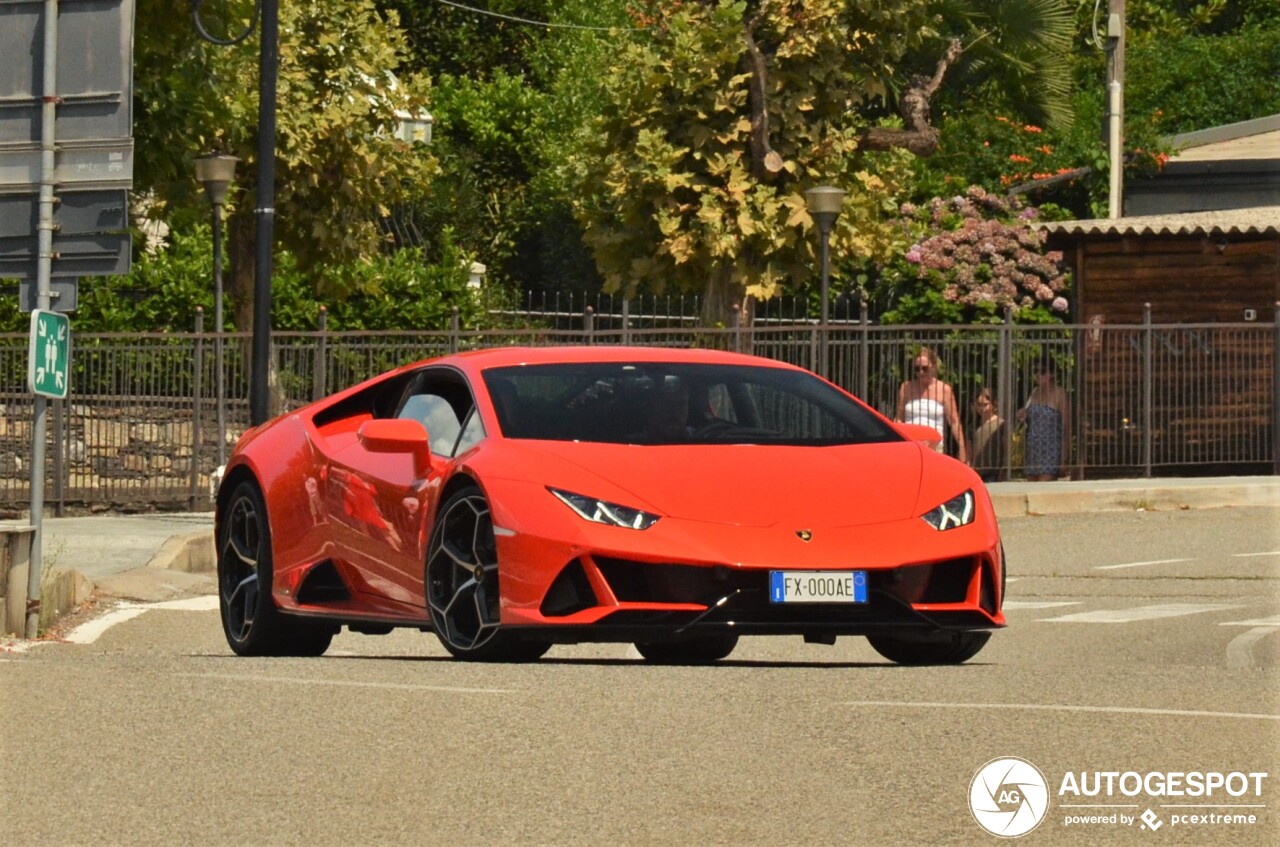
(666, 414)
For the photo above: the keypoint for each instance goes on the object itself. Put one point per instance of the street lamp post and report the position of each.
(267, 14)
(216, 171)
(823, 203)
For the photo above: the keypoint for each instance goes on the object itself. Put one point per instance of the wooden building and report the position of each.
(1220, 266)
(1196, 390)
(1236, 166)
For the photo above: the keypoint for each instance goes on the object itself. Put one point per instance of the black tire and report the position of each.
(462, 585)
(935, 648)
(697, 650)
(250, 620)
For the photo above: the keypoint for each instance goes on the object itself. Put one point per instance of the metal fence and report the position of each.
(140, 429)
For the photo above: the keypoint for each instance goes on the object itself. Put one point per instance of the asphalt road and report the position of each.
(1140, 643)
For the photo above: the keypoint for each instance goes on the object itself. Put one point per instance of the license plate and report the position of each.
(818, 586)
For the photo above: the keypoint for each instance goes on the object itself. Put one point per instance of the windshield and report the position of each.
(667, 403)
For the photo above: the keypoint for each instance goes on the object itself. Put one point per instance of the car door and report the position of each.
(382, 499)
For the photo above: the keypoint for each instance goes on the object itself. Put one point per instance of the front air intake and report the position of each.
(570, 592)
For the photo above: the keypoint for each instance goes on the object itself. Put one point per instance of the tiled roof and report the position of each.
(1261, 220)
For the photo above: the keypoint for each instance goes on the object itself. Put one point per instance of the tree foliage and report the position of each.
(1198, 82)
(1190, 65)
(164, 289)
(338, 165)
(671, 184)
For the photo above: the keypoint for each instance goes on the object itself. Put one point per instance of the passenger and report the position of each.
(929, 401)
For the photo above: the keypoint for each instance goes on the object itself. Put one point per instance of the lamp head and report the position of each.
(216, 172)
(824, 203)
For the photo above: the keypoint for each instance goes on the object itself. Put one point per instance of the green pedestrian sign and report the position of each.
(49, 363)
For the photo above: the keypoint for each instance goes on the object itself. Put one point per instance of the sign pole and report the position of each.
(44, 273)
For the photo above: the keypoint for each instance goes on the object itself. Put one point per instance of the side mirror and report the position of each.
(920, 432)
(398, 435)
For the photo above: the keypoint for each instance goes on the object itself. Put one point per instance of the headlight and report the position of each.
(602, 511)
(958, 511)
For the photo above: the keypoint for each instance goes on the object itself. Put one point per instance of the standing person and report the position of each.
(988, 440)
(1047, 415)
(929, 401)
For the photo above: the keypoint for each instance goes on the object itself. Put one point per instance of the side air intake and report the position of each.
(321, 585)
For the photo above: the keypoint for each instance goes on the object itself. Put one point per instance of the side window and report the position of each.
(472, 433)
(441, 401)
(438, 417)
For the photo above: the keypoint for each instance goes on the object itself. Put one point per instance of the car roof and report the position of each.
(497, 357)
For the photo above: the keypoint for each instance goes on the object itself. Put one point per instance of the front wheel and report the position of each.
(250, 620)
(698, 650)
(934, 648)
(463, 585)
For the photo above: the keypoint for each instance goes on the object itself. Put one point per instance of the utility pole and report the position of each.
(1115, 106)
(265, 212)
(44, 289)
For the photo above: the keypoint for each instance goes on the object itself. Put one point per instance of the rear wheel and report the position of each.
(697, 650)
(463, 585)
(250, 620)
(934, 648)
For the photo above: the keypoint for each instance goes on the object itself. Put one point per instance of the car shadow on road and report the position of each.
(588, 661)
(591, 661)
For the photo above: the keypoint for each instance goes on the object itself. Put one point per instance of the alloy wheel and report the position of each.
(462, 574)
(238, 560)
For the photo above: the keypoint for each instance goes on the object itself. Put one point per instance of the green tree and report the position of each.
(1018, 50)
(507, 96)
(716, 121)
(1190, 64)
(338, 165)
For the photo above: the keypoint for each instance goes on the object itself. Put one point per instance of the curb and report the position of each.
(1131, 497)
(63, 589)
(190, 553)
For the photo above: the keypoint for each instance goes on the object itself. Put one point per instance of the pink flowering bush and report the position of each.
(967, 258)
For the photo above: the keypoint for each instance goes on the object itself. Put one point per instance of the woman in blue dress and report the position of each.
(1047, 415)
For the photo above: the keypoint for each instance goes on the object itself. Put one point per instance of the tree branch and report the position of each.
(1045, 182)
(919, 135)
(765, 162)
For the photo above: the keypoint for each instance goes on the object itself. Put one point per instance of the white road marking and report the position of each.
(1045, 707)
(91, 631)
(203, 603)
(1240, 650)
(1246, 555)
(1272, 621)
(344, 683)
(1140, 564)
(1018, 605)
(1140, 613)
(632, 653)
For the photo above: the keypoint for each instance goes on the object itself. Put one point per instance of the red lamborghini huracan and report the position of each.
(510, 499)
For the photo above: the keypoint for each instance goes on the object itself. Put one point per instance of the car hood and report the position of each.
(744, 485)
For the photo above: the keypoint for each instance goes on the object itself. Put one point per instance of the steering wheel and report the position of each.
(713, 426)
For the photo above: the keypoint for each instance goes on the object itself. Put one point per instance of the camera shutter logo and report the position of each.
(1008, 797)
